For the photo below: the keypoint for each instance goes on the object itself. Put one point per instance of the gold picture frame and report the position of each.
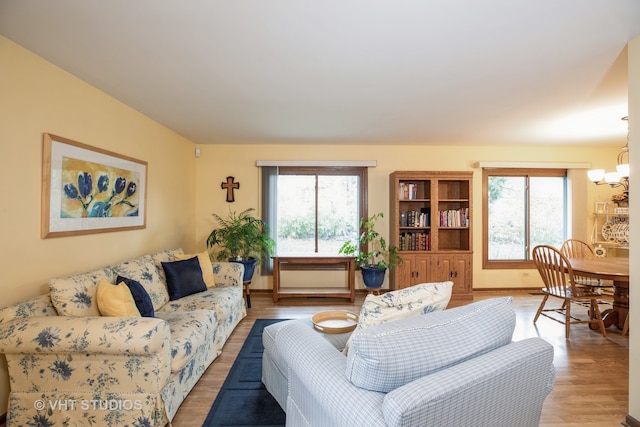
(88, 190)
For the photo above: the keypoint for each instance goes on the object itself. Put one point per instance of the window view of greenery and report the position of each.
(525, 211)
(316, 219)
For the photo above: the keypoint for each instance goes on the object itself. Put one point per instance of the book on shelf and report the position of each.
(454, 218)
(415, 241)
(408, 191)
(414, 218)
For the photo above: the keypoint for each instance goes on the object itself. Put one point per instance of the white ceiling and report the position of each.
(349, 71)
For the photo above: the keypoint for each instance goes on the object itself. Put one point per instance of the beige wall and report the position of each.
(37, 97)
(214, 166)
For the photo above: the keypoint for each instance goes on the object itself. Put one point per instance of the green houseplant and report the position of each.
(373, 255)
(241, 238)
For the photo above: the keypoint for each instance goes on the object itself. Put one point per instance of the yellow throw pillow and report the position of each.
(205, 266)
(116, 300)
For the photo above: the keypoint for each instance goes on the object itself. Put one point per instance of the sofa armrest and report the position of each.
(227, 274)
(87, 370)
(37, 306)
(505, 387)
(98, 335)
(319, 392)
(87, 355)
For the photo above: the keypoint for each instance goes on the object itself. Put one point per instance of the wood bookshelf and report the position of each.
(431, 224)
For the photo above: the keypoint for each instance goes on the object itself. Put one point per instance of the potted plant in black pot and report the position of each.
(373, 256)
(241, 238)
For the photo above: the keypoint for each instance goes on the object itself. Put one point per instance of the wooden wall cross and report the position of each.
(230, 186)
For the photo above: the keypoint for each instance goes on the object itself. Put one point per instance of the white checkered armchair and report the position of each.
(457, 367)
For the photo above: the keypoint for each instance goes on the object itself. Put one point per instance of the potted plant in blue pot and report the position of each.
(241, 238)
(373, 255)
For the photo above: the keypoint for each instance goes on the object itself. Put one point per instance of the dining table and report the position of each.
(615, 269)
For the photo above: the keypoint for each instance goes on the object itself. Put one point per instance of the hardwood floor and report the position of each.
(591, 387)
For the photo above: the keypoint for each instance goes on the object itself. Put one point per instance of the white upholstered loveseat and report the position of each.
(70, 365)
(457, 367)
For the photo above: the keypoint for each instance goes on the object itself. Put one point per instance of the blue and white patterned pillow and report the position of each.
(403, 303)
(76, 295)
(168, 255)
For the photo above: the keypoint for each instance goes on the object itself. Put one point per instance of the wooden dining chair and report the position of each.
(576, 248)
(559, 282)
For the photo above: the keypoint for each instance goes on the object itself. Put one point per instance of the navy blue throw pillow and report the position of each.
(140, 296)
(184, 278)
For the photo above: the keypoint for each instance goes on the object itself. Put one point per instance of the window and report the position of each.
(522, 208)
(313, 210)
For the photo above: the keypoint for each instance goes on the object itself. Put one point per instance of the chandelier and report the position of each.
(619, 178)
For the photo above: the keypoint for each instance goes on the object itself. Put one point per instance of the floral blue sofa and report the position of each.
(69, 364)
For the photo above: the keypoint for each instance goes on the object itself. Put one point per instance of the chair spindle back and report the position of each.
(554, 268)
(576, 248)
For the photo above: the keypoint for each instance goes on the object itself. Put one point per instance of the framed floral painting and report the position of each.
(89, 190)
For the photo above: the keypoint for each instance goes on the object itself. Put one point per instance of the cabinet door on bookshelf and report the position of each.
(456, 268)
(413, 270)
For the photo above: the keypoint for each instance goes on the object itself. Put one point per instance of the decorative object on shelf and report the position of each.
(229, 185)
(622, 199)
(373, 255)
(619, 178)
(601, 207)
(600, 251)
(616, 232)
(241, 238)
(610, 226)
(89, 190)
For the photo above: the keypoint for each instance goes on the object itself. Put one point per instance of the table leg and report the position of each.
(247, 292)
(621, 302)
(617, 314)
(609, 317)
(276, 279)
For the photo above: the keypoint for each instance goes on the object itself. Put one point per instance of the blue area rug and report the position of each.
(243, 399)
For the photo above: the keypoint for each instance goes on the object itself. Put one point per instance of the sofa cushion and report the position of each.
(184, 278)
(140, 296)
(220, 300)
(387, 356)
(76, 295)
(189, 330)
(115, 300)
(168, 255)
(205, 266)
(143, 270)
(403, 303)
